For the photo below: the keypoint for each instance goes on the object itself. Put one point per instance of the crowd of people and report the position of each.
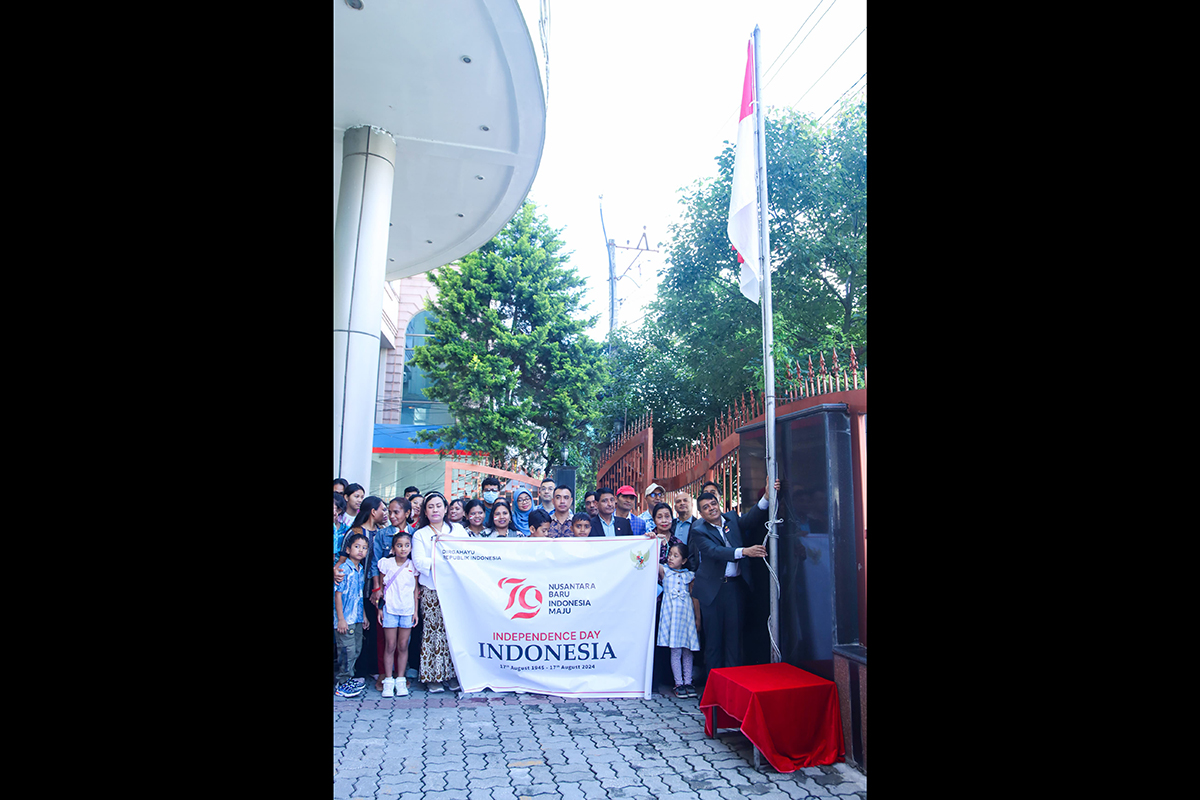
(383, 560)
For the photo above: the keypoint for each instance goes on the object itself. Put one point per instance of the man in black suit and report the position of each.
(606, 523)
(721, 580)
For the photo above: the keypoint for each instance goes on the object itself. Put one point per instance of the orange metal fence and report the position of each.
(464, 479)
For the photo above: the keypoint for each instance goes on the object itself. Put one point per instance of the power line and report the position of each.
(826, 72)
(785, 47)
(794, 35)
(833, 117)
(821, 116)
(802, 41)
(849, 99)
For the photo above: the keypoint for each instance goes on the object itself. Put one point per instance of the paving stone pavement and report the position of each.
(488, 746)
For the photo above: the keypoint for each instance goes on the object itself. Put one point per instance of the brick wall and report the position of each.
(411, 294)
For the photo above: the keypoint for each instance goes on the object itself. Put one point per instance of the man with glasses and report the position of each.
(654, 494)
(546, 495)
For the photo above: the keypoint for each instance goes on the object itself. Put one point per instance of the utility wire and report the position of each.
(794, 35)
(785, 47)
(845, 102)
(821, 117)
(826, 72)
(797, 49)
(802, 41)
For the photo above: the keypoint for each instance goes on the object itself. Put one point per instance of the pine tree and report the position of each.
(508, 352)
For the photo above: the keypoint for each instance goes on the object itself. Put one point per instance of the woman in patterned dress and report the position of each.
(437, 668)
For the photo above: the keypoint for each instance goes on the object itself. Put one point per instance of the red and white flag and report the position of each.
(743, 199)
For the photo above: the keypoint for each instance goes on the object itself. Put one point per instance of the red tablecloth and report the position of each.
(790, 715)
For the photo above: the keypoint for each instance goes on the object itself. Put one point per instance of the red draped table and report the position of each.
(790, 715)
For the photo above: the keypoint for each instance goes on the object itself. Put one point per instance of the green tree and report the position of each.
(507, 352)
(699, 320)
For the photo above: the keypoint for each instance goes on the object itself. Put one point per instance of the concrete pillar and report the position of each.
(359, 260)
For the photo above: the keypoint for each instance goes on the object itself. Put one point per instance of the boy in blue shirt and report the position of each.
(348, 617)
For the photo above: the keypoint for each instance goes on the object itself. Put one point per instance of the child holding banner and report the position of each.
(677, 628)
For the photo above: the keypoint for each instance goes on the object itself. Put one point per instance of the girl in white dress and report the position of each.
(678, 619)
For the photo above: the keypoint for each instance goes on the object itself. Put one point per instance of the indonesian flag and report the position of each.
(743, 199)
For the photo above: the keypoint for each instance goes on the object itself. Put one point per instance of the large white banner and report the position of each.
(569, 617)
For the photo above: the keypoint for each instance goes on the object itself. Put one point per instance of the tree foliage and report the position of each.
(701, 344)
(507, 351)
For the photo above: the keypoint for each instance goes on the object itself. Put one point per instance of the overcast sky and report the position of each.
(642, 95)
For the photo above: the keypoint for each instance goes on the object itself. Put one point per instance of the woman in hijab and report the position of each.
(520, 515)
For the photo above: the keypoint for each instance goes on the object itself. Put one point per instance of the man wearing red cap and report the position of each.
(626, 498)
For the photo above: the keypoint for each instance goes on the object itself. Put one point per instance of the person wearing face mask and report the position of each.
(490, 494)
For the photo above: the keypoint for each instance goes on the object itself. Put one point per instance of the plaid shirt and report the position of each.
(638, 524)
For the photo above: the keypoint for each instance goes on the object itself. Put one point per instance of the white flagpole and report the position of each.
(764, 256)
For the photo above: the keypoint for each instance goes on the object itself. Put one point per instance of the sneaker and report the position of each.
(691, 690)
(389, 687)
(681, 691)
(436, 687)
(360, 682)
(401, 687)
(454, 685)
(348, 689)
